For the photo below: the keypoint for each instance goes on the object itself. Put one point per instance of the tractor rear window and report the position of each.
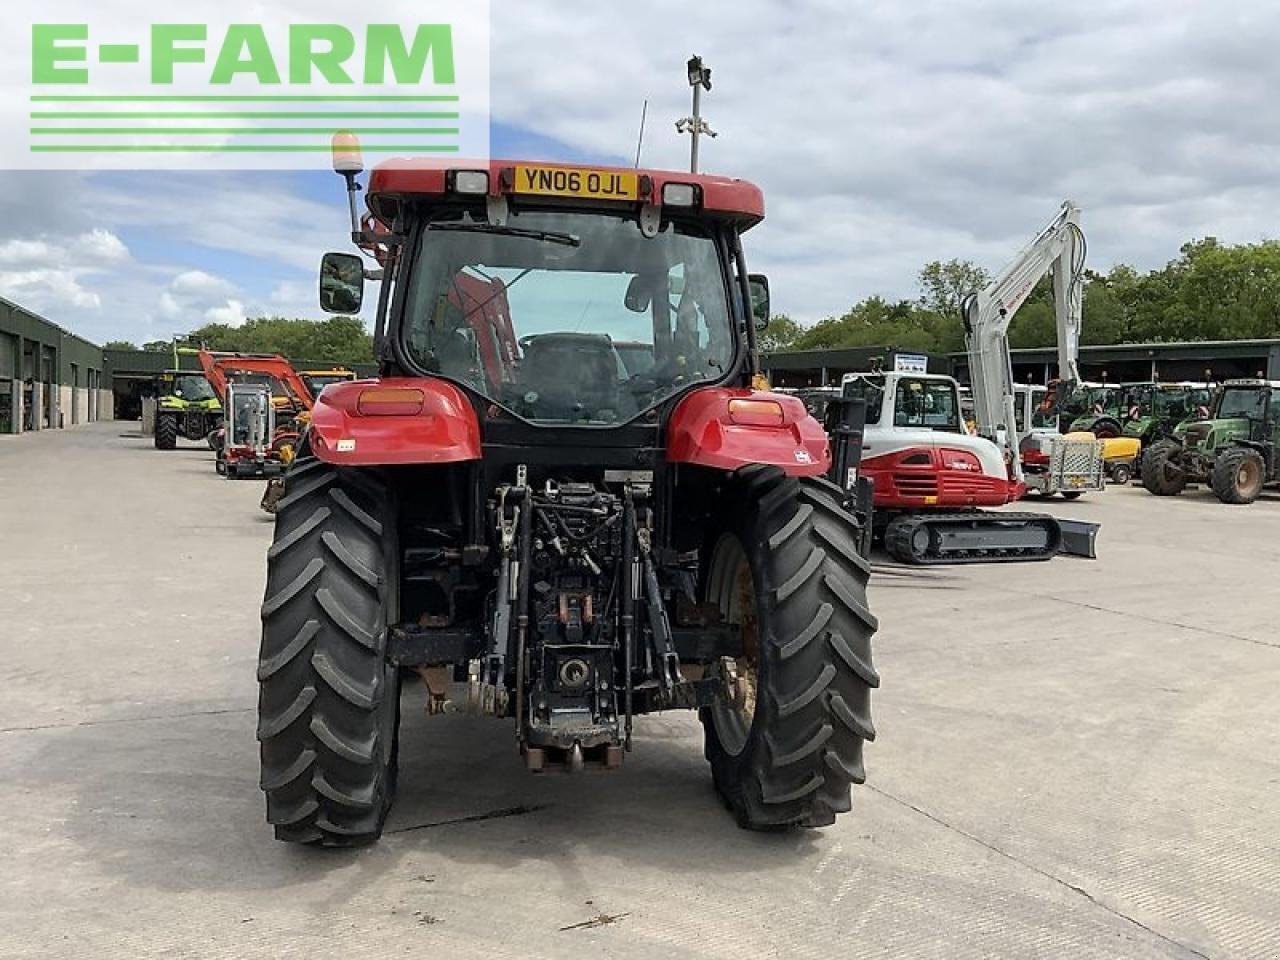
(566, 317)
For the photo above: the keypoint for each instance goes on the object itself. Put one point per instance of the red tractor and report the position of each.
(540, 533)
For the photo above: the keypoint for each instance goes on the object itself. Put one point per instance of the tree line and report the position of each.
(332, 340)
(1211, 291)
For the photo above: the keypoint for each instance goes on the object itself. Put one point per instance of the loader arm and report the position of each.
(1060, 247)
(220, 367)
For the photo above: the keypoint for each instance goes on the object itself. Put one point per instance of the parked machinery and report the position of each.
(1051, 463)
(248, 449)
(289, 398)
(546, 536)
(931, 476)
(930, 473)
(1233, 450)
(186, 406)
(317, 380)
(1096, 408)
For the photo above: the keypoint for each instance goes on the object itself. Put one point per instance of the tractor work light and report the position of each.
(390, 402)
(348, 158)
(756, 413)
(471, 181)
(679, 194)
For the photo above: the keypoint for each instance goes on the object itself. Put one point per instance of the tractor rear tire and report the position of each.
(1160, 474)
(166, 432)
(329, 701)
(1106, 428)
(1238, 475)
(785, 566)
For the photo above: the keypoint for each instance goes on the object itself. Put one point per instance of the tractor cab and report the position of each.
(1242, 410)
(1152, 410)
(1095, 408)
(561, 296)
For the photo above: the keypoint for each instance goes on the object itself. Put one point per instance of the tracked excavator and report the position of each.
(931, 476)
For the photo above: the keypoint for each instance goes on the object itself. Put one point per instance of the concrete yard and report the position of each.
(1074, 760)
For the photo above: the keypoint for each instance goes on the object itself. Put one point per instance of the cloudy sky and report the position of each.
(884, 135)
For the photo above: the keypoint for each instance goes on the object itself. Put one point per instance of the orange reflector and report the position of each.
(390, 402)
(756, 413)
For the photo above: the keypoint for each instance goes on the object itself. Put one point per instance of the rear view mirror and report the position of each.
(759, 284)
(639, 294)
(341, 283)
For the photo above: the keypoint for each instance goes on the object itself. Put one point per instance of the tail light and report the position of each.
(390, 402)
(756, 413)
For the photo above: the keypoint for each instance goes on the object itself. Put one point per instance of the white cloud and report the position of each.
(54, 275)
(17, 252)
(102, 246)
(47, 290)
(232, 313)
(194, 298)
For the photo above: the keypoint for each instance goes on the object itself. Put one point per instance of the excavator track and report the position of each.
(976, 537)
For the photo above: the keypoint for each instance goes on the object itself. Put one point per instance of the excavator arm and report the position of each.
(1059, 247)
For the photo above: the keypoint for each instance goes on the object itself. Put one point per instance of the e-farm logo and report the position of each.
(243, 94)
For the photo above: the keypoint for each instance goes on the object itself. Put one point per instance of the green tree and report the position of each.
(781, 333)
(944, 284)
(332, 340)
(119, 345)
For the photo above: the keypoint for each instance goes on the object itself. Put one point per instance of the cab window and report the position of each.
(926, 403)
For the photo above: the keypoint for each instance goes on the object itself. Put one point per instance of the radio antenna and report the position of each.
(644, 113)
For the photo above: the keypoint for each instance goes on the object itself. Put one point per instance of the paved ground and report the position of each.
(1075, 760)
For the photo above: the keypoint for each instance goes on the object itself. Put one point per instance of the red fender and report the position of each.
(391, 421)
(704, 430)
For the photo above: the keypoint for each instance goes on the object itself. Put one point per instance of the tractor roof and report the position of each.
(720, 197)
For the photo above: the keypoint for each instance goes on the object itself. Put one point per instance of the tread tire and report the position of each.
(329, 702)
(1226, 475)
(1158, 475)
(166, 432)
(804, 746)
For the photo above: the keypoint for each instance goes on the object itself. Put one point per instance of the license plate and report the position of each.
(589, 184)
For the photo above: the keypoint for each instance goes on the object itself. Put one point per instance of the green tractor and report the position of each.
(186, 406)
(1153, 411)
(1094, 408)
(1234, 450)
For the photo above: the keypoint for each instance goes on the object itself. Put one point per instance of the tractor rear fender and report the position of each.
(394, 421)
(728, 428)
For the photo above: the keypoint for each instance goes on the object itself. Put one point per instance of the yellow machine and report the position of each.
(1120, 458)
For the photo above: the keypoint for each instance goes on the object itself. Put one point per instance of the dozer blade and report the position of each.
(1079, 539)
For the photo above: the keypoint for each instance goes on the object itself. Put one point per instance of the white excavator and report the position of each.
(930, 475)
(1044, 461)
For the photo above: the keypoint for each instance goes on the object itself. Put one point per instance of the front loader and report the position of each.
(544, 536)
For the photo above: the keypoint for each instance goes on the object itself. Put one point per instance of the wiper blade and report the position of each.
(567, 239)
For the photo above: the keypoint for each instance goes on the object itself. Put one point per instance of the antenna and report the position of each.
(644, 112)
